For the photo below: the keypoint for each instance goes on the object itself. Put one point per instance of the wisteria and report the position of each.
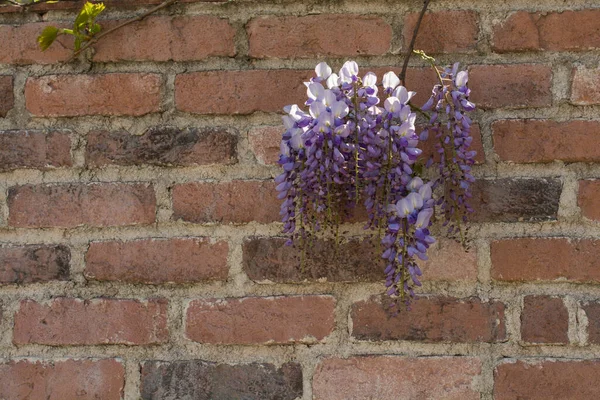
(357, 146)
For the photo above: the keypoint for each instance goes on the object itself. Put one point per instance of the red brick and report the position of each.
(71, 205)
(71, 321)
(434, 319)
(515, 200)
(443, 32)
(268, 259)
(318, 35)
(544, 319)
(511, 86)
(264, 142)
(106, 94)
(157, 261)
(162, 145)
(304, 319)
(240, 92)
(589, 199)
(7, 98)
(111, 4)
(34, 149)
(393, 378)
(592, 311)
(236, 202)
(547, 379)
(34, 263)
(585, 89)
(545, 259)
(20, 45)
(555, 31)
(166, 38)
(64, 379)
(530, 141)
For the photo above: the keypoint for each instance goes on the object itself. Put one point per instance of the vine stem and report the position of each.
(95, 39)
(411, 46)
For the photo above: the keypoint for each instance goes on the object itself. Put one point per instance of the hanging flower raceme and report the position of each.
(356, 146)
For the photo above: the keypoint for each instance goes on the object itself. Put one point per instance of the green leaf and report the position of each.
(87, 16)
(95, 29)
(47, 37)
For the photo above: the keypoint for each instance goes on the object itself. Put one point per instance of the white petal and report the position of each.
(340, 109)
(323, 70)
(392, 104)
(424, 217)
(351, 67)
(390, 80)
(415, 200)
(284, 149)
(288, 122)
(370, 79)
(329, 98)
(315, 91)
(462, 78)
(316, 108)
(333, 81)
(296, 140)
(401, 93)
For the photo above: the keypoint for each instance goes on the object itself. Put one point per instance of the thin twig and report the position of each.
(95, 39)
(411, 46)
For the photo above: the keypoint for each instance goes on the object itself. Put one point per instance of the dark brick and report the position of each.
(270, 259)
(200, 380)
(34, 149)
(162, 146)
(434, 319)
(515, 200)
(544, 319)
(592, 311)
(7, 98)
(28, 264)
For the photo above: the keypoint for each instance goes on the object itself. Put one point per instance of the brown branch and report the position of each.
(411, 46)
(95, 39)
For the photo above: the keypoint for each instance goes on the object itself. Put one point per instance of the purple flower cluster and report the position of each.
(449, 122)
(357, 144)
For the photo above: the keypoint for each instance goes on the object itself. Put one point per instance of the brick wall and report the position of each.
(140, 255)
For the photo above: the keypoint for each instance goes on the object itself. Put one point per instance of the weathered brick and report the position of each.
(105, 94)
(71, 205)
(7, 97)
(432, 319)
(554, 31)
(157, 261)
(72, 321)
(20, 45)
(377, 377)
(264, 142)
(268, 259)
(592, 311)
(545, 259)
(585, 89)
(530, 141)
(544, 319)
(240, 92)
(547, 379)
(162, 145)
(62, 379)
(589, 199)
(255, 320)
(515, 200)
(511, 86)
(318, 35)
(443, 31)
(201, 380)
(168, 38)
(77, 4)
(34, 263)
(34, 149)
(236, 202)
